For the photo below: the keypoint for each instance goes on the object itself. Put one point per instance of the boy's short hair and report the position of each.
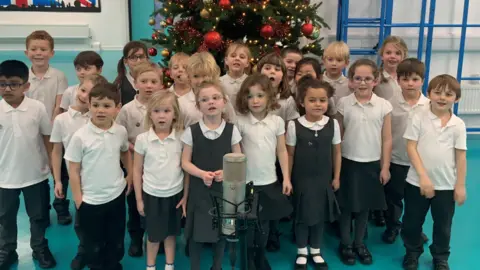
(445, 81)
(14, 68)
(88, 58)
(203, 63)
(106, 90)
(143, 68)
(411, 66)
(290, 49)
(337, 49)
(40, 35)
(317, 67)
(95, 79)
(178, 57)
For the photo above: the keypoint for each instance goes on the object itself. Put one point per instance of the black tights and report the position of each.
(196, 253)
(361, 220)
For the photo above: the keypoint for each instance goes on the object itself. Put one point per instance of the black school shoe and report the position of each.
(346, 254)
(45, 258)
(364, 255)
(273, 242)
(136, 248)
(319, 266)
(390, 235)
(378, 218)
(7, 259)
(301, 266)
(440, 265)
(64, 219)
(78, 263)
(410, 262)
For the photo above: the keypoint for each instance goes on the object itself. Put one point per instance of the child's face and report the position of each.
(257, 99)
(103, 111)
(274, 73)
(363, 81)
(178, 71)
(334, 65)
(392, 56)
(13, 89)
(305, 70)
(315, 102)
(211, 101)
(162, 116)
(442, 99)
(197, 79)
(148, 83)
(84, 71)
(39, 52)
(410, 84)
(82, 93)
(135, 58)
(291, 60)
(237, 61)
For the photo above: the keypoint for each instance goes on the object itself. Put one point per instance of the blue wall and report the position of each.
(140, 14)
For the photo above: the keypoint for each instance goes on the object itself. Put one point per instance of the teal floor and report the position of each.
(465, 241)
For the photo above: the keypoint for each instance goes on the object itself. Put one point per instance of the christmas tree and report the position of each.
(211, 25)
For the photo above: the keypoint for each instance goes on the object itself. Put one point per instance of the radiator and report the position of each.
(470, 101)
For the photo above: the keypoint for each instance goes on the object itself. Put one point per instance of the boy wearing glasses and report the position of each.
(24, 165)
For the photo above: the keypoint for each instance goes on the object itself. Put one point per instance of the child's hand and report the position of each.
(59, 190)
(460, 194)
(426, 187)
(129, 180)
(336, 184)
(131, 147)
(141, 208)
(287, 187)
(218, 176)
(183, 203)
(207, 178)
(384, 176)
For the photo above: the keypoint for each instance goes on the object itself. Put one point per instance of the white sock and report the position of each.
(151, 267)
(315, 253)
(302, 260)
(169, 266)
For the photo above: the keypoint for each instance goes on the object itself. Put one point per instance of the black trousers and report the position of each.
(312, 235)
(103, 228)
(61, 205)
(394, 193)
(36, 203)
(442, 207)
(218, 250)
(78, 232)
(135, 223)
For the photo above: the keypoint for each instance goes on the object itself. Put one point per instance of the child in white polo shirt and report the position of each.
(405, 104)
(64, 126)
(237, 63)
(436, 146)
(178, 73)
(97, 180)
(132, 116)
(263, 141)
(24, 165)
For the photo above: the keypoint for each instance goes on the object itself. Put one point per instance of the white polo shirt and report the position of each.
(401, 113)
(340, 85)
(288, 109)
(318, 125)
(23, 157)
(66, 124)
(363, 123)
(231, 86)
(387, 89)
(162, 170)
(47, 89)
(98, 151)
(211, 134)
(69, 97)
(436, 146)
(132, 117)
(259, 144)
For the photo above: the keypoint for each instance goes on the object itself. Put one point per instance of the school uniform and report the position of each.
(340, 85)
(436, 147)
(288, 109)
(64, 126)
(47, 89)
(259, 144)
(127, 89)
(208, 149)
(361, 189)
(69, 97)
(24, 168)
(232, 86)
(387, 89)
(102, 212)
(400, 163)
(313, 197)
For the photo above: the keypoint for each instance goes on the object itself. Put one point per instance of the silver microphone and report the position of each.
(234, 182)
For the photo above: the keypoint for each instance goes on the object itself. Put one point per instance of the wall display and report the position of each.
(51, 5)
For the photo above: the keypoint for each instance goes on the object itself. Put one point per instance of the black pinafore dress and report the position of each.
(206, 155)
(312, 175)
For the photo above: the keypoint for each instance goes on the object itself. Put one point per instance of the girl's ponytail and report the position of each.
(121, 71)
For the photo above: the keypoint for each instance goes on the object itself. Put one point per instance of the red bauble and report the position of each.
(307, 29)
(167, 73)
(152, 51)
(212, 40)
(169, 21)
(154, 36)
(225, 4)
(266, 31)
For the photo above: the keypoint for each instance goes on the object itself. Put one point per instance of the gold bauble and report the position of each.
(151, 21)
(165, 53)
(204, 14)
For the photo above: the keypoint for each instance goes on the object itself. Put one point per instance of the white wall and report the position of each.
(108, 29)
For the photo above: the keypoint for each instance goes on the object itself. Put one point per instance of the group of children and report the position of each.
(320, 147)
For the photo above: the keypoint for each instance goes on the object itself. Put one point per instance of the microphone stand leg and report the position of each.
(242, 233)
